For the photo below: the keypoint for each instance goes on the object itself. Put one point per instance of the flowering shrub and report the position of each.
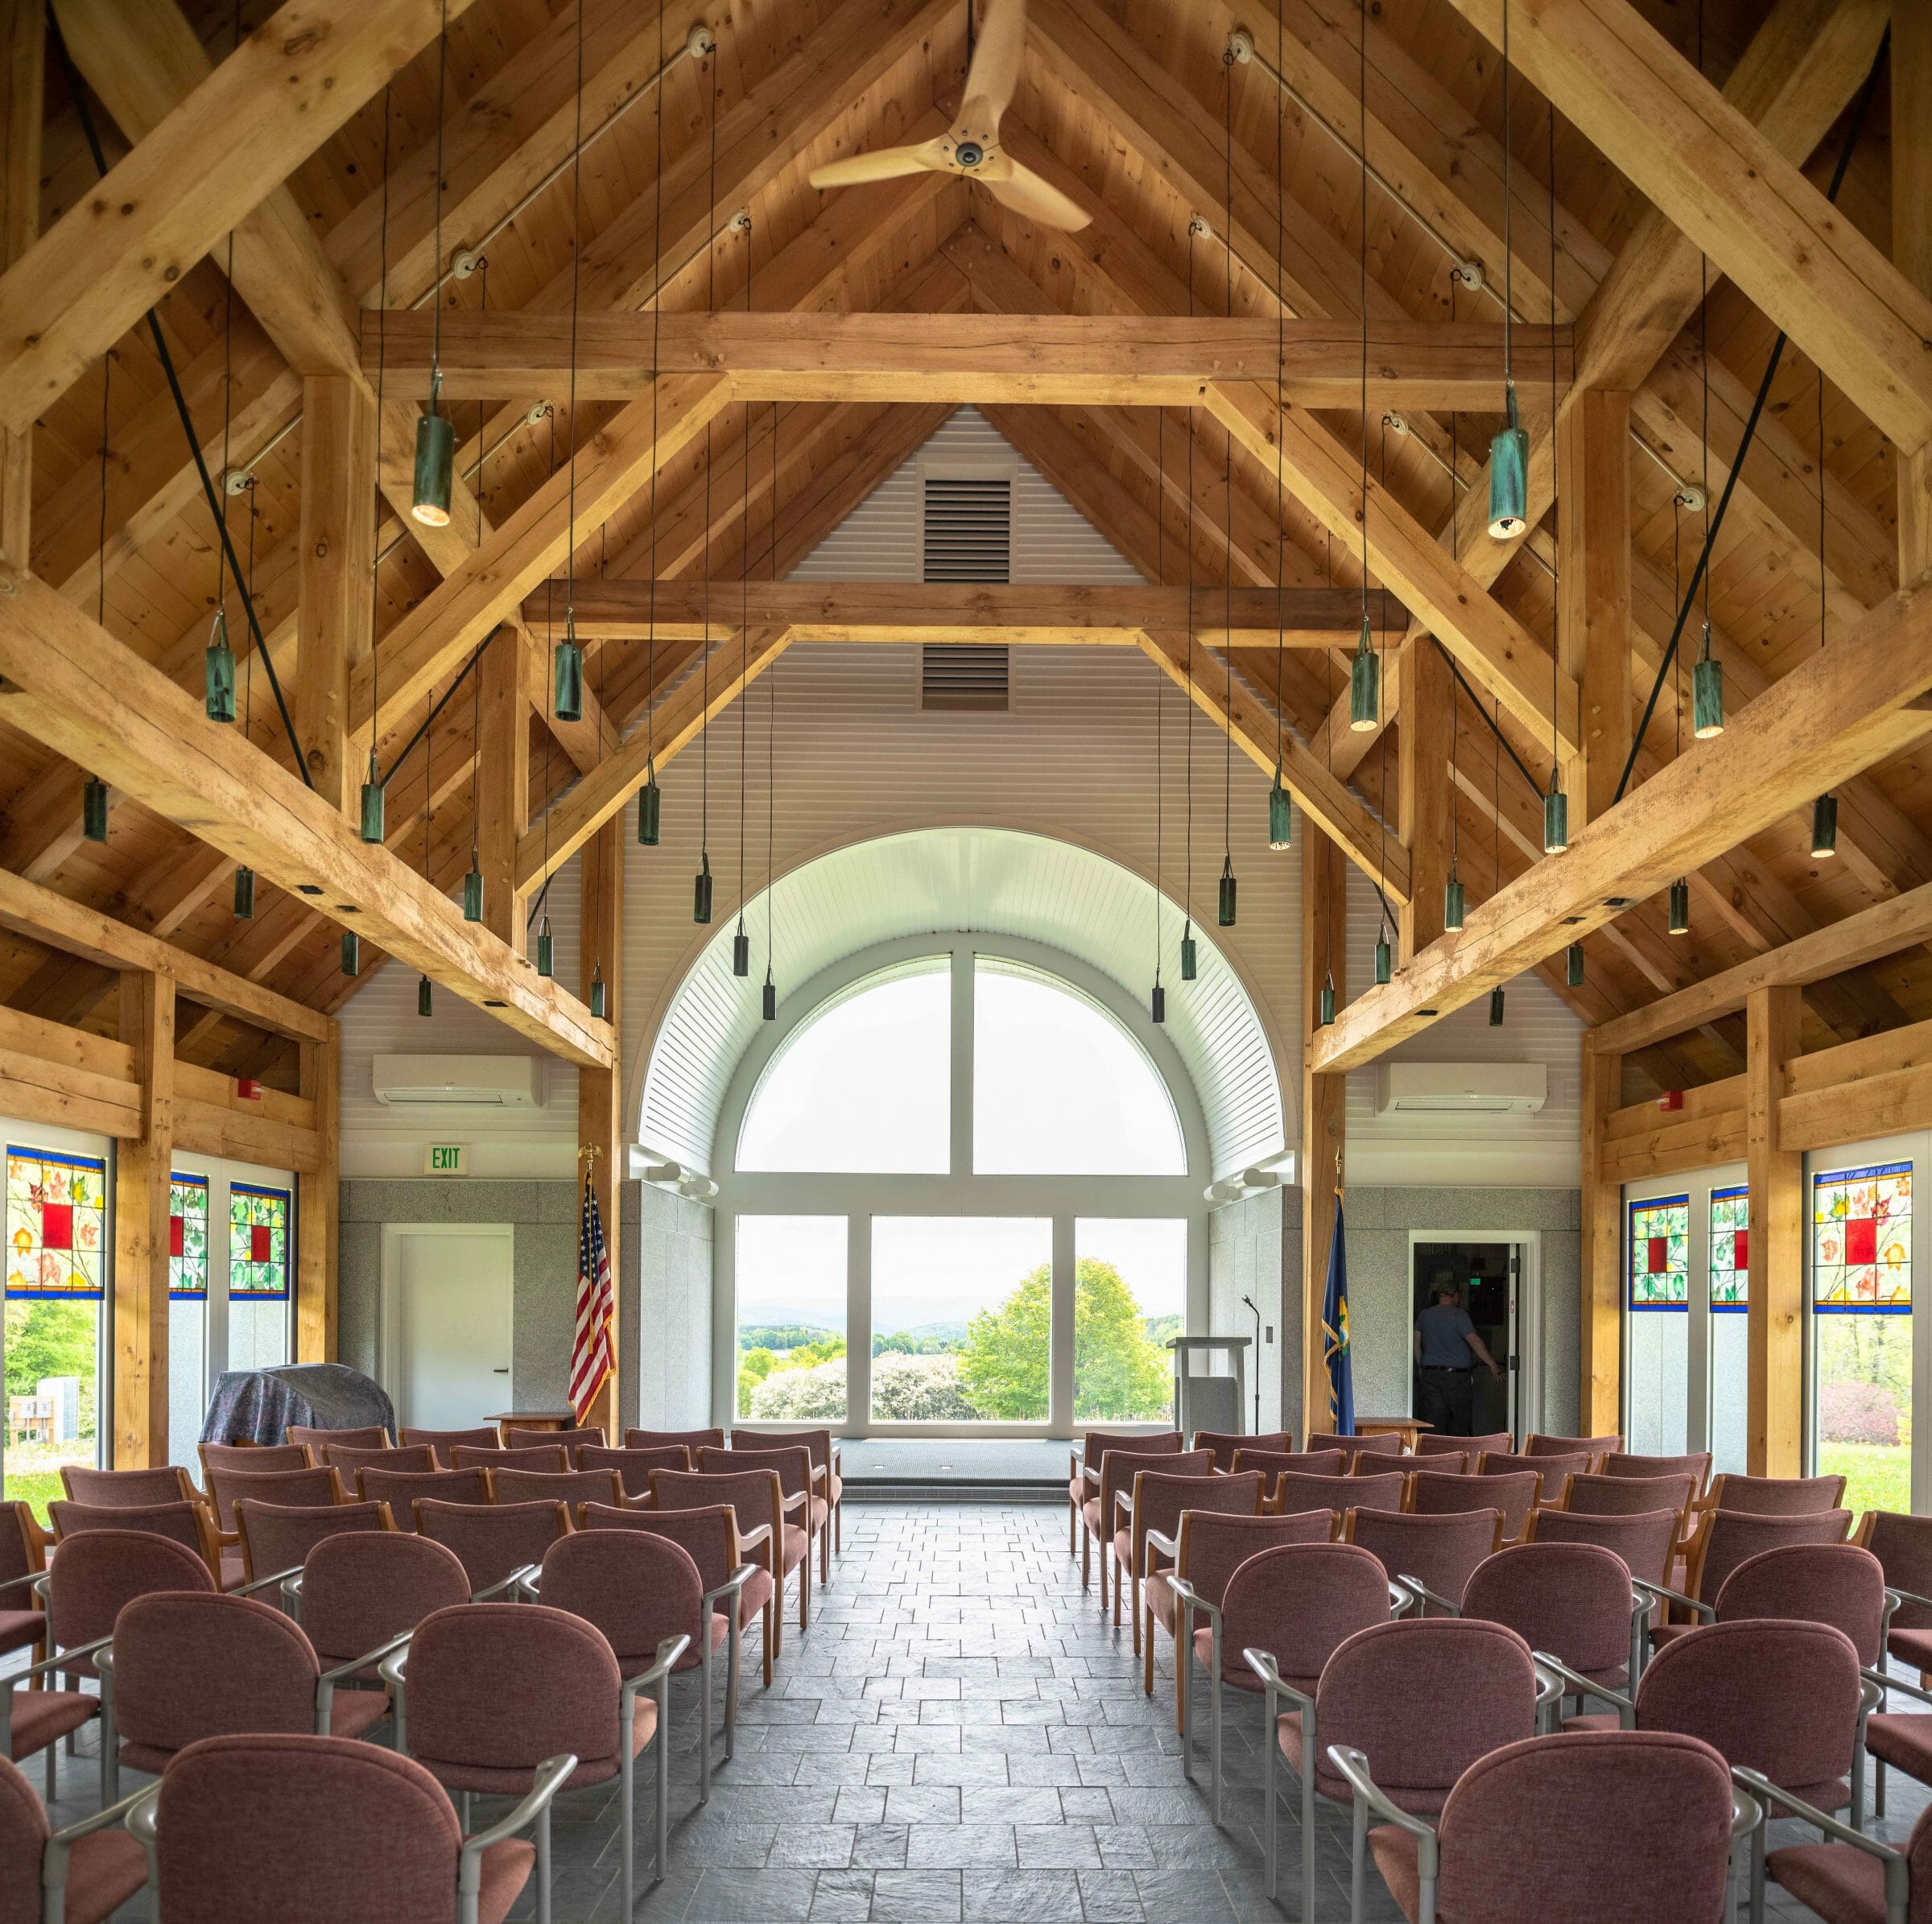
(904, 1389)
(1857, 1413)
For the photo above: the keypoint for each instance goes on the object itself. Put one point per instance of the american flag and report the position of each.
(590, 1358)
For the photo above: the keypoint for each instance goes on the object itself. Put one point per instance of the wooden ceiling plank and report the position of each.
(84, 694)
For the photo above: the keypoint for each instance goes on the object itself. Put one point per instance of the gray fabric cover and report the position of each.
(257, 1406)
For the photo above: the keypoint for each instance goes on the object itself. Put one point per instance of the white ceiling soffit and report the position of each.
(989, 881)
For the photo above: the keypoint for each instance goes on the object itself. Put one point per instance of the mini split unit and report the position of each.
(1461, 1088)
(478, 1082)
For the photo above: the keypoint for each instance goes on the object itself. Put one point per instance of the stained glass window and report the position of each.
(1861, 1240)
(1660, 1252)
(258, 1241)
(1731, 1248)
(187, 1236)
(56, 1223)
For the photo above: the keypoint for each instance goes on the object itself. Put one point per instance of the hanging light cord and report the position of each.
(1187, 717)
(1160, 681)
(1281, 377)
(657, 330)
(1362, 102)
(1556, 505)
(375, 573)
(1228, 472)
(744, 605)
(711, 89)
(577, 269)
(771, 713)
(436, 323)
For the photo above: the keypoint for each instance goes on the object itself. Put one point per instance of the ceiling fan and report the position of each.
(970, 148)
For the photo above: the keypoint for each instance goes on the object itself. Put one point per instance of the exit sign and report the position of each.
(446, 1159)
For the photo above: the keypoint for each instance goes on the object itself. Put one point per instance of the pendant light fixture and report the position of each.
(1707, 677)
(1509, 451)
(1197, 229)
(1325, 1000)
(741, 942)
(1384, 954)
(93, 790)
(768, 1004)
(599, 995)
(1225, 903)
(1556, 804)
(1706, 692)
(1496, 1007)
(436, 433)
(650, 798)
(245, 875)
(1328, 999)
(700, 887)
(373, 809)
(1680, 908)
(352, 953)
(1824, 811)
(700, 893)
(1365, 669)
(1281, 808)
(1158, 1002)
(1573, 965)
(426, 1000)
(218, 663)
(566, 659)
(547, 948)
(1680, 889)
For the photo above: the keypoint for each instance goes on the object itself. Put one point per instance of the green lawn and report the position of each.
(1876, 1477)
(35, 1487)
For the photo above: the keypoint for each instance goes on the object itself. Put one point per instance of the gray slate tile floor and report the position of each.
(958, 1738)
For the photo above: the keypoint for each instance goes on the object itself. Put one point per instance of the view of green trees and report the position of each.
(993, 1368)
(50, 1338)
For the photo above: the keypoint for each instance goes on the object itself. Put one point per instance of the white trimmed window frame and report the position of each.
(857, 1197)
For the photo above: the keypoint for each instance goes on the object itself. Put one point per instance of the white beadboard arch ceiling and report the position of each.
(995, 882)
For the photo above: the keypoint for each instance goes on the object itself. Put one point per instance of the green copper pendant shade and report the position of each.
(1708, 694)
(372, 805)
(1824, 827)
(1556, 822)
(426, 997)
(1365, 685)
(1496, 1009)
(650, 808)
(1509, 477)
(1159, 1004)
(547, 951)
(1680, 908)
(1573, 965)
(352, 953)
(435, 461)
(1454, 901)
(1224, 903)
(244, 894)
(1190, 955)
(1384, 957)
(599, 996)
(473, 895)
(93, 809)
(1280, 814)
(700, 892)
(567, 663)
(770, 1008)
(1327, 1002)
(740, 954)
(218, 672)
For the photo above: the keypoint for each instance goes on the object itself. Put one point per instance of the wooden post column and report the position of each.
(1593, 550)
(1775, 1409)
(335, 616)
(1324, 952)
(503, 807)
(318, 1209)
(600, 1092)
(23, 68)
(1422, 672)
(1599, 1405)
(143, 1172)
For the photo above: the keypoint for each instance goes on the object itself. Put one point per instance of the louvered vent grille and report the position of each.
(968, 537)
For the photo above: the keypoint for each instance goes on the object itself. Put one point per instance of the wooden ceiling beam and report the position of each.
(1730, 190)
(83, 693)
(265, 110)
(22, 109)
(1829, 719)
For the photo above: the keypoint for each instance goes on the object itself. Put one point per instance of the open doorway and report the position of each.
(1485, 1275)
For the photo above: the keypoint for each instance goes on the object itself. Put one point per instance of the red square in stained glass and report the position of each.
(261, 1247)
(1740, 1245)
(1659, 1256)
(56, 1225)
(177, 1236)
(1861, 1240)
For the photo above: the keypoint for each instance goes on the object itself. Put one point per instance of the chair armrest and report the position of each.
(1123, 1500)
(1190, 1599)
(1895, 1596)
(264, 1583)
(330, 1679)
(516, 1578)
(1262, 1663)
(142, 1818)
(1662, 1593)
(291, 1594)
(750, 1539)
(530, 1585)
(732, 1585)
(1413, 1589)
(550, 1775)
(819, 1472)
(1582, 1685)
(394, 1668)
(1886, 1682)
(669, 1651)
(791, 1503)
(1166, 1544)
(1354, 1766)
(1092, 1474)
(32, 1576)
(1549, 1688)
(1764, 1794)
(59, 1661)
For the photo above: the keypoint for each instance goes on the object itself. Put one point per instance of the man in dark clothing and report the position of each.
(1448, 1350)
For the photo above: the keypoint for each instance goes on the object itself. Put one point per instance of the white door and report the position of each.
(447, 1323)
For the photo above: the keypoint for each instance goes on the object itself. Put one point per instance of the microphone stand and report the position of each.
(1253, 1306)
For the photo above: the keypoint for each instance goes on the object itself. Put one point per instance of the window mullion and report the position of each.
(962, 1105)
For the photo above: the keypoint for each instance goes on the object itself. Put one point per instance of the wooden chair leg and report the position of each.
(766, 1641)
(1134, 1612)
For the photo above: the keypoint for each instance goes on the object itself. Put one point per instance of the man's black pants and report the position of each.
(1447, 1401)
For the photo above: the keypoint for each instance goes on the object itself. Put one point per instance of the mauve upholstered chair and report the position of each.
(1536, 1443)
(1726, 1538)
(1903, 1546)
(277, 1537)
(254, 1460)
(80, 1875)
(799, 1474)
(495, 1542)
(1295, 1463)
(758, 1504)
(1444, 1493)
(1696, 1465)
(1571, 1601)
(1850, 1878)
(1422, 1700)
(1084, 1472)
(21, 1560)
(128, 1489)
(1427, 1444)
(1284, 1614)
(1777, 1496)
(400, 1489)
(569, 1441)
(1114, 1478)
(1155, 1499)
(1294, 1491)
(1352, 1447)
(298, 1488)
(1433, 1554)
(372, 1436)
(1221, 1444)
(1600, 1495)
(1552, 1469)
(827, 1467)
(634, 1467)
(1646, 1542)
(569, 1487)
(535, 1456)
(710, 1536)
(362, 1591)
(330, 1832)
(641, 1589)
(443, 1442)
(348, 1459)
(1161, 1504)
(1210, 1548)
(1785, 1700)
(487, 1693)
(184, 1666)
(184, 1523)
(1612, 1828)
(693, 1440)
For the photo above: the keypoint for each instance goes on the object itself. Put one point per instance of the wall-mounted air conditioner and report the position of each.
(482, 1082)
(1461, 1088)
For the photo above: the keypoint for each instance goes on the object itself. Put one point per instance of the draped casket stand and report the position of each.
(257, 1406)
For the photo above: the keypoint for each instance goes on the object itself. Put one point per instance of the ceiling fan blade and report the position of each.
(886, 164)
(995, 72)
(1022, 190)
